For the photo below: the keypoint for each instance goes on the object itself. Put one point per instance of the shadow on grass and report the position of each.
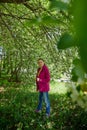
(17, 112)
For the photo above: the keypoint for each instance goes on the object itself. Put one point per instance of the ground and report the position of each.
(18, 104)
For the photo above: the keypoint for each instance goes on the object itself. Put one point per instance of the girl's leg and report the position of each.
(40, 101)
(46, 99)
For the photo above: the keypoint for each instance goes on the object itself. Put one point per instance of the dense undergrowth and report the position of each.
(17, 111)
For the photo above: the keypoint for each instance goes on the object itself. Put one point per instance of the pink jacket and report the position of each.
(43, 84)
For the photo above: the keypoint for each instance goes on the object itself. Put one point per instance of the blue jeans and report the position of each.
(44, 95)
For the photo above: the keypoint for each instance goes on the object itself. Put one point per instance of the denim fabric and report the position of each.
(44, 96)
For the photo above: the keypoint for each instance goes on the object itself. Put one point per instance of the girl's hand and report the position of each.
(38, 79)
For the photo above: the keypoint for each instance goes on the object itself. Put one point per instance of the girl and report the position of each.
(42, 82)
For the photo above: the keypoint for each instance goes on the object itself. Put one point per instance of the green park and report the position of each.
(56, 32)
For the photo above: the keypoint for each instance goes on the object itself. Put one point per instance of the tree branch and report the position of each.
(14, 16)
(13, 1)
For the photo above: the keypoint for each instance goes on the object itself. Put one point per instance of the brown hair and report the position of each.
(40, 59)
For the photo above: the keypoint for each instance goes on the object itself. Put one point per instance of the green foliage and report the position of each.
(80, 27)
(30, 31)
(57, 4)
(45, 20)
(17, 107)
(78, 69)
(78, 23)
(66, 41)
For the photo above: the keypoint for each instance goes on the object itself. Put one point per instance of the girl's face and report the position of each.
(40, 63)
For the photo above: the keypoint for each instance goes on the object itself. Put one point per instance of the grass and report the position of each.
(58, 88)
(17, 107)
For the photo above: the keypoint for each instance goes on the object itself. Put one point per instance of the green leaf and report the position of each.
(50, 20)
(66, 41)
(31, 22)
(78, 88)
(74, 77)
(83, 55)
(55, 4)
(77, 62)
(77, 71)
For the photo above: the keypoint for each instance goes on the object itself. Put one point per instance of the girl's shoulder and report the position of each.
(45, 68)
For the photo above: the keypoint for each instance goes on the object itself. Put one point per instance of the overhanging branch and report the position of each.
(13, 1)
